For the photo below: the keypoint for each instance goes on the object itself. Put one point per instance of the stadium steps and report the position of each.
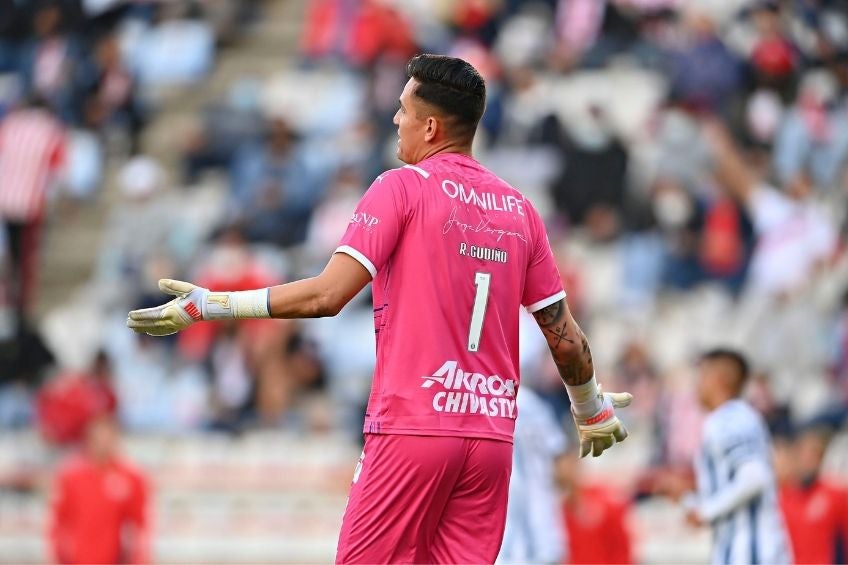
(261, 498)
(269, 47)
(73, 235)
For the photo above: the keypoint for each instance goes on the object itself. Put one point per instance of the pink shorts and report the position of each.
(426, 499)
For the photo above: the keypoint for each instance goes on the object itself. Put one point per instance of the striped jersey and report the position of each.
(32, 147)
(534, 527)
(752, 531)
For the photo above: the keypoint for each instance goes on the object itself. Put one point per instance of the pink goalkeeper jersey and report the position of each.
(454, 252)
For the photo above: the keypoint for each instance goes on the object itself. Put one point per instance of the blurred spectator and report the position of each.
(140, 226)
(333, 214)
(357, 32)
(773, 58)
(475, 18)
(32, 149)
(84, 164)
(796, 239)
(274, 189)
(230, 18)
(99, 512)
(25, 360)
(760, 394)
(590, 190)
(815, 508)
(177, 49)
(595, 517)
(50, 60)
(14, 27)
(723, 247)
(764, 114)
(288, 370)
(705, 239)
(820, 30)
(681, 154)
(635, 371)
(379, 30)
(71, 400)
(680, 219)
(24, 356)
(109, 93)
(676, 426)
(224, 127)
(523, 39)
(157, 391)
(812, 145)
(578, 23)
(592, 33)
(233, 382)
(705, 74)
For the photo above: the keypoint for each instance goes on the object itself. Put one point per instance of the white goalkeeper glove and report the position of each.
(194, 304)
(602, 430)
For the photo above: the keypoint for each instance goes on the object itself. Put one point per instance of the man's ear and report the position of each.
(433, 126)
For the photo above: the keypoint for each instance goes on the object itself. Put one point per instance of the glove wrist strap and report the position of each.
(237, 305)
(586, 399)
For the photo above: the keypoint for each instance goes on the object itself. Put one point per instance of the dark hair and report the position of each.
(732, 355)
(453, 87)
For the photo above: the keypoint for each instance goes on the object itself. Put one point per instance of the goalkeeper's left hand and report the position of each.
(178, 314)
(601, 431)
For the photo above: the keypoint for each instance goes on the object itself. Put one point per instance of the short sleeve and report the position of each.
(376, 224)
(738, 449)
(543, 283)
(734, 442)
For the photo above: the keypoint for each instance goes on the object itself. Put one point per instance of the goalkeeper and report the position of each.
(453, 252)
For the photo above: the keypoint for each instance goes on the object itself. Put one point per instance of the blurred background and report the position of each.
(226, 142)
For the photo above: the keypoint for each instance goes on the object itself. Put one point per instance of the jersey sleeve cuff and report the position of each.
(365, 261)
(536, 306)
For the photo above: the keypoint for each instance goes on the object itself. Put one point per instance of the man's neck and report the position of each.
(449, 147)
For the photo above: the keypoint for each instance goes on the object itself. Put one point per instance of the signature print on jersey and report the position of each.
(483, 226)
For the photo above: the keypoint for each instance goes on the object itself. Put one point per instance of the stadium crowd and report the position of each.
(689, 158)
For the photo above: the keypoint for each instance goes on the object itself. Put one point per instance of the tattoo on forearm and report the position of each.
(573, 361)
(587, 353)
(560, 334)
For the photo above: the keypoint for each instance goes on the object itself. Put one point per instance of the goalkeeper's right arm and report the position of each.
(323, 295)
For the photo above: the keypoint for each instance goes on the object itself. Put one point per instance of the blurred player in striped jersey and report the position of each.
(736, 486)
(453, 252)
(534, 526)
(32, 152)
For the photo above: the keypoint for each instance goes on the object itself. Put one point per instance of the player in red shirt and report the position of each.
(595, 517)
(453, 252)
(99, 508)
(815, 508)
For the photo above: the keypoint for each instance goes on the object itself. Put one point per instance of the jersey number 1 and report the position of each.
(478, 313)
